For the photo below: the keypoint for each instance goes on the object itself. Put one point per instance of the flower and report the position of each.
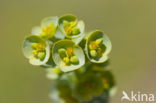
(67, 55)
(47, 29)
(98, 46)
(36, 50)
(72, 28)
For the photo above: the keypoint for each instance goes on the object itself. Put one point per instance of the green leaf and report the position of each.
(98, 41)
(62, 62)
(28, 50)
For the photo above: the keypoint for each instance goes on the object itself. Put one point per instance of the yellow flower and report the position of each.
(48, 31)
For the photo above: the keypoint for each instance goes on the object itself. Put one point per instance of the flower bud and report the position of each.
(41, 55)
(65, 23)
(99, 41)
(35, 53)
(74, 60)
(75, 31)
(66, 60)
(62, 52)
(93, 53)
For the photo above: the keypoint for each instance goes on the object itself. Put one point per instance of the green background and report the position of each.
(130, 24)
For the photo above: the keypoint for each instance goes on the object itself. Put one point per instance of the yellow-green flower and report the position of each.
(95, 48)
(67, 55)
(48, 28)
(98, 46)
(36, 50)
(72, 28)
(48, 31)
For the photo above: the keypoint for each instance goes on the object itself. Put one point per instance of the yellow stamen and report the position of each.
(74, 60)
(69, 27)
(39, 50)
(70, 52)
(49, 29)
(68, 30)
(93, 45)
(40, 47)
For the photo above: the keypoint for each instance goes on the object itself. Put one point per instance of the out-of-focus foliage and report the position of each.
(85, 85)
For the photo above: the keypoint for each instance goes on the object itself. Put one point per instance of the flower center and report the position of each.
(93, 45)
(38, 50)
(48, 30)
(95, 48)
(70, 28)
(68, 56)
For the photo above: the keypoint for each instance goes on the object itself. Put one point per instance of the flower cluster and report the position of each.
(61, 44)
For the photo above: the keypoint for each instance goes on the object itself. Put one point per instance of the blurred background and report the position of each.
(130, 24)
